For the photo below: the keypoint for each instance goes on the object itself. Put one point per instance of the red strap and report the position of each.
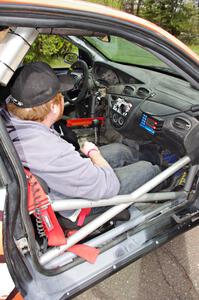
(37, 199)
(52, 228)
(83, 214)
(86, 252)
(35, 193)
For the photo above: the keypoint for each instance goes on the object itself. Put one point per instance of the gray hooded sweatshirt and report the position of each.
(48, 156)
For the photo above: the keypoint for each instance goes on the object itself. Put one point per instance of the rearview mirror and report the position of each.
(104, 38)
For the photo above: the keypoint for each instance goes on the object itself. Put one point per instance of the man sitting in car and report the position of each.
(35, 104)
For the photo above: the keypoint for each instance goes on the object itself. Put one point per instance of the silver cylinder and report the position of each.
(13, 48)
(69, 204)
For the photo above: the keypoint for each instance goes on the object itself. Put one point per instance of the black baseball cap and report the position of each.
(36, 83)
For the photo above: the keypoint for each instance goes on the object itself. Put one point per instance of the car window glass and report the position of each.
(51, 49)
(120, 50)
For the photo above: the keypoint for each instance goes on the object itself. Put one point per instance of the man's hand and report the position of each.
(89, 147)
(92, 151)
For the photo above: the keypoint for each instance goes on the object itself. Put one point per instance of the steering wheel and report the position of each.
(81, 82)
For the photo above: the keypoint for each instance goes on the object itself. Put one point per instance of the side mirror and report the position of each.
(70, 58)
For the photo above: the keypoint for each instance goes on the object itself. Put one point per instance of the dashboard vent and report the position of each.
(128, 90)
(143, 92)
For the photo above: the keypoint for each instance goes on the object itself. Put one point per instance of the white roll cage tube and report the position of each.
(113, 211)
(70, 204)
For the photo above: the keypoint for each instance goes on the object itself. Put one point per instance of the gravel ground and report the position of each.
(169, 273)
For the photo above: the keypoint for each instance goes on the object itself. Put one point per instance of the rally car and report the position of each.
(132, 83)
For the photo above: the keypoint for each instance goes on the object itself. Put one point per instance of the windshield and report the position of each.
(122, 51)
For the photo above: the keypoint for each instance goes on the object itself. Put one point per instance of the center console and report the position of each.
(119, 112)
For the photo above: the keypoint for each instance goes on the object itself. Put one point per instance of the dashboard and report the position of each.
(111, 76)
(106, 75)
(148, 105)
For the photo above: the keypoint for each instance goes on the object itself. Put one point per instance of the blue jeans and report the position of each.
(130, 172)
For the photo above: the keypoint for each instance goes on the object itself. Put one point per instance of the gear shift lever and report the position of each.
(96, 125)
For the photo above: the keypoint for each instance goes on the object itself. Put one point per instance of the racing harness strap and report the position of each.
(47, 223)
(39, 205)
(82, 216)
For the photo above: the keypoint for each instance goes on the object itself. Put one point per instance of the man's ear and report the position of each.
(54, 108)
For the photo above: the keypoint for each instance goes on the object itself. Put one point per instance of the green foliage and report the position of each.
(195, 48)
(179, 17)
(48, 47)
(112, 3)
(173, 15)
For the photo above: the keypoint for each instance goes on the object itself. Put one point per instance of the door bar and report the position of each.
(112, 212)
(69, 204)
